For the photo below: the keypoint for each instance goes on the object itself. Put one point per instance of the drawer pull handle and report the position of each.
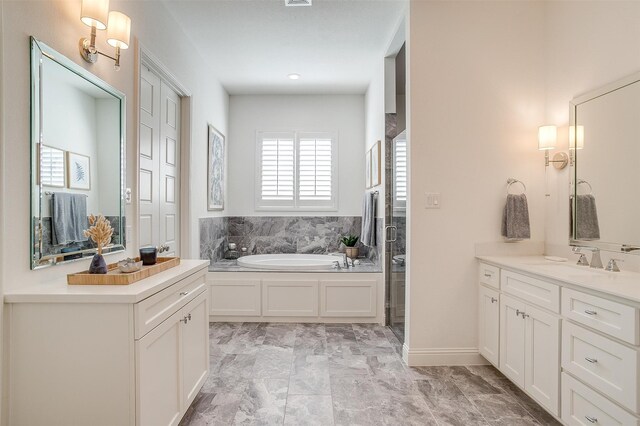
(519, 312)
(488, 275)
(184, 293)
(591, 419)
(494, 300)
(591, 360)
(588, 312)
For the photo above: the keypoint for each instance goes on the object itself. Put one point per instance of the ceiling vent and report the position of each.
(297, 2)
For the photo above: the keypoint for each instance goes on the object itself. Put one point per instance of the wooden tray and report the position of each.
(115, 277)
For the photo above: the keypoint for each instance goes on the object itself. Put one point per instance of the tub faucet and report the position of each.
(345, 259)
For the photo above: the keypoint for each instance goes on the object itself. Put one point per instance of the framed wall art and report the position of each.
(78, 171)
(215, 170)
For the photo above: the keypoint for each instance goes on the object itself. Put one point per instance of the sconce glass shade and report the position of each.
(547, 136)
(119, 30)
(95, 13)
(576, 133)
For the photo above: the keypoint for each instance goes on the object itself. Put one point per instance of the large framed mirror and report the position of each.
(77, 158)
(604, 142)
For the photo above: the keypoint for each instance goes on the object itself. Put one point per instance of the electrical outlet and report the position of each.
(127, 195)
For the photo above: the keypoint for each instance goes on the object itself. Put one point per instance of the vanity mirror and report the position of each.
(77, 158)
(604, 135)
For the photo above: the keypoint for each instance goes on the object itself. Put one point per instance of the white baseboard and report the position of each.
(442, 356)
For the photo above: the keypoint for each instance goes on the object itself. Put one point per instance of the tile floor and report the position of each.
(344, 374)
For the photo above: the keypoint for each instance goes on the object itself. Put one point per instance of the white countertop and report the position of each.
(624, 284)
(59, 291)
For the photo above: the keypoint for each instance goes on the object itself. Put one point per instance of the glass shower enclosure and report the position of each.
(396, 232)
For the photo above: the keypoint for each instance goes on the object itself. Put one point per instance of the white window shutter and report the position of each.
(316, 167)
(400, 156)
(277, 169)
(51, 167)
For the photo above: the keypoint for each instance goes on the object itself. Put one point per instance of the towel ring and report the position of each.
(511, 181)
(584, 182)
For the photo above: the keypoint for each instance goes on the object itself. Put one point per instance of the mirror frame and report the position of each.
(38, 51)
(573, 154)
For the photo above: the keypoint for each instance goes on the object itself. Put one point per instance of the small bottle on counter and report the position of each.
(232, 252)
(243, 251)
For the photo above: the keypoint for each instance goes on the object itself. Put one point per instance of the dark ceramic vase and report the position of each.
(98, 265)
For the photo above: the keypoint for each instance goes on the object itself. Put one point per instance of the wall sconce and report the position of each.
(95, 14)
(576, 133)
(547, 137)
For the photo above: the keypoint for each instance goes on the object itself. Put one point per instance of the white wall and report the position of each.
(588, 44)
(2, 204)
(375, 126)
(57, 24)
(476, 99)
(343, 115)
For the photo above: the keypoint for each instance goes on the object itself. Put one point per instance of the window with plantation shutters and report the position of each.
(400, 158)
(51, 166)
(296, 171)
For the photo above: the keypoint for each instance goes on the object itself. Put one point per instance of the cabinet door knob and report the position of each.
(591, 360)
(494, 300)
(518, 312)
(488, 275)
(184, 320)
(188, 317)
(589, 312)
(591, 419)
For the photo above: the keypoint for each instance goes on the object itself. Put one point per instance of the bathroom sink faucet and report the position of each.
(596, 261)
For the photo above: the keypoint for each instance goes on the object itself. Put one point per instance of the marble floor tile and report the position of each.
(309, 410)
(310, 375)
(448, 404)
(348, 365)
(263, 403)
(272, 364)
(345, 374)
(412, 409)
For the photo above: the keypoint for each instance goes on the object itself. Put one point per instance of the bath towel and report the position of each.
(368, 232)
(587, 227)
(515, 218)
(68, 218)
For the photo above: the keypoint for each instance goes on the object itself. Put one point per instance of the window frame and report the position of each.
(296, 204)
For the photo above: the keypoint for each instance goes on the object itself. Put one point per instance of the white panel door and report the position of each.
(149, 153)
(542, 357)
(159, 152)
(169, 170)
(512, 333)
(489, 325)
(159, 374)
(195, 346)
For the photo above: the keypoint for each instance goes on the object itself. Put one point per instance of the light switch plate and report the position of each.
(432, 200)
(127, 195)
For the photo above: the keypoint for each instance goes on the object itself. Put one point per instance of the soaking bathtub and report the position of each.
(290, 262)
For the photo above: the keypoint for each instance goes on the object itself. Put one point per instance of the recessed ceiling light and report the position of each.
(297, 2)
(294, 76)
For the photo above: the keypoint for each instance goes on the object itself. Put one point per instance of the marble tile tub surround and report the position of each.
(345, 374)
(282, 234)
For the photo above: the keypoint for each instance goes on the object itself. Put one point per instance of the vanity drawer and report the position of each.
(533, 290)
(609, 317)
(583, 406)
(150, 312)
(489, 275)
(608, 366)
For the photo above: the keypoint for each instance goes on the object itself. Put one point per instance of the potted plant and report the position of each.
(350, 242)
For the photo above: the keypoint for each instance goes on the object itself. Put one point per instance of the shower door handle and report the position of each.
(394, 232)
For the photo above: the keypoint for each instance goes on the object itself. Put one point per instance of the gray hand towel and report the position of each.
(68, 218)
(515, 218)
(368, 232)
(587, 226)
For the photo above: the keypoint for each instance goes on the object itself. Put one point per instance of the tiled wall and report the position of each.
(281, 234)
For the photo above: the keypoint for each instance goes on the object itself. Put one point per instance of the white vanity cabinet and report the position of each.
(569, 337)
(108, 355)
(520, 331)
(489, 325)
(529, 349)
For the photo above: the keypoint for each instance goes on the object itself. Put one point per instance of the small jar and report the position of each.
(149, 255)
(232, 252)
